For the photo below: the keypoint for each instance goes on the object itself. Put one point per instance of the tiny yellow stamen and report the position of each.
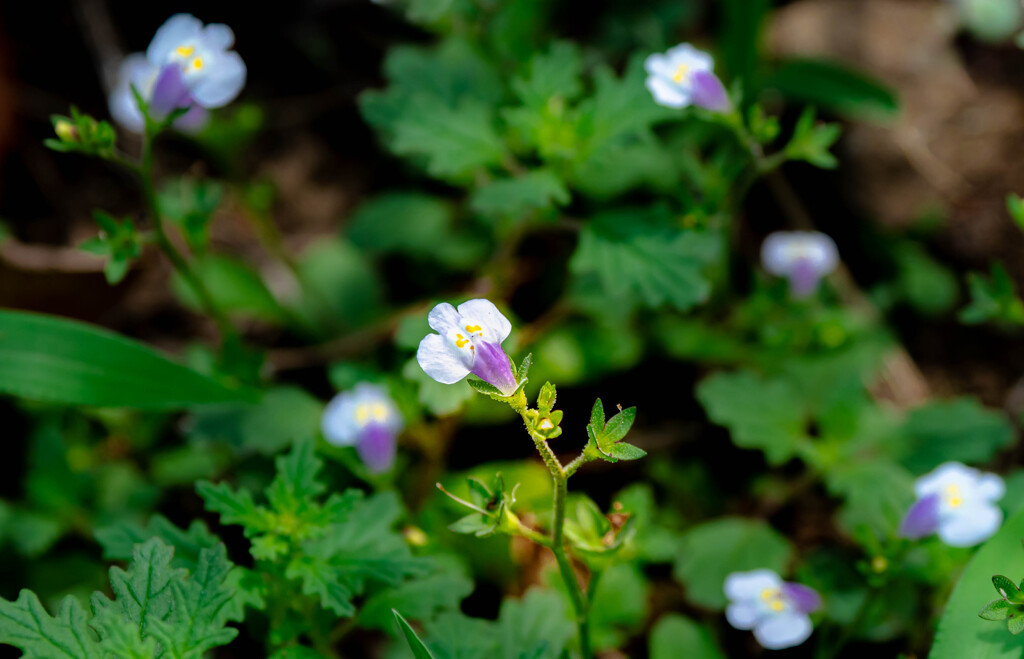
(546, 425)
(185, 51)
(956, 502)
(380, 412)
(953, 497)
(362, 414)
(879, 564)
(460, 341)
(777, 605)
(680, 73)
(474, 329)
(197, 63)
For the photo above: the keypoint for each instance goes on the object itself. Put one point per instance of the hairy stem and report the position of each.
(163, 240)
(560, 478)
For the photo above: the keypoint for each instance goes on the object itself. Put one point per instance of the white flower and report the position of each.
(774, 609)
(366, 418)
(468, 340)
(802, 257)
(186, 65)
(685, 76)
(958, 503)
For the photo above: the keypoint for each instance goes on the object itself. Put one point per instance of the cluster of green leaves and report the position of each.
(83, 134)
(159, 610)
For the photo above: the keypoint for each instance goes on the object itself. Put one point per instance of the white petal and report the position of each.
(439, 361)
(781, 251)
(223, 81)
(783, 631)
(970, 526)
(659, 65)
(175, 31)
(741, 586)
(217, 36)
(946, 474)
(135, 70)
(338, 422)
(366, 393)
(695, 59)
(443, 317)
(667, 94)
(743, 615)
(484, 313)
(990, 487)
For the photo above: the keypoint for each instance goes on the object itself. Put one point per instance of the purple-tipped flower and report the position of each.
(958, 503)
(777, 611)
(685, 76)
(365, 418)
(468, 340)
(187, 65)
(802, 257)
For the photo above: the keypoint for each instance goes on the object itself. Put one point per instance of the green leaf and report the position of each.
(1015, 207)
(556, 74)
(877, 494)
(453, 142)
(1015, 625)
(485, 388)
(811, 141)
(961, 430)
(64, 361)
(605, 439)
(742, 26)
(402, 222)
(759, 413)
(622, 106)
(709, 552)
(340, 286)
(993, 299)
(535, 627)
(283, 416)
(961, 633)
(235, 287)
(190, 204)
(419, 650)
(833, 85)
(673, 632)
(634, 258)
(419, 599)
(25, 624)
(538, 191)
(119, 540)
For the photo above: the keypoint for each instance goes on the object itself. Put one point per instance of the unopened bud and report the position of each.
(66, 131)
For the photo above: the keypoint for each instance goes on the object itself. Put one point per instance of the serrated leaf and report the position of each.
(421, 598)
(518, 198)
(234, 507)
(961, 430)
(454, 142)
(25, 624)
(759, 413)
(556, 73)
(536, 626)
(673, 632)
(65, 361)
(119, 539)
(296, 481)
(403, 222)
(634, 258)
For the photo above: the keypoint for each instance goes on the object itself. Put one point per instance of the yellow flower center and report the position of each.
(680, 73)
(953, 496)
(185, 51)
(475, 329)
(197, 63)
(773, 598)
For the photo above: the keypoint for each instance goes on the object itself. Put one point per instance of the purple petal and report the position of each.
(804, 598)
(922, 519)
(709, 93)
(194, 120)
(169, 92)
(376, 447)
(803, 278)
(492, 366)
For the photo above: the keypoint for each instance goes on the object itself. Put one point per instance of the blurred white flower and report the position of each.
(685, 76)
(366, 418)
(958, 503)
(802, 257)
(777, 611)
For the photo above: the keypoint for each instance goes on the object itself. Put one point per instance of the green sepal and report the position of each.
(1008, 589)
(546, 398)
(419, 649)
(491, 506)
(605, 439)
(83, 134)
(997, 610)
(1015, 624)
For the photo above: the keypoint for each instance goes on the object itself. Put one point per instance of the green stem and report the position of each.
(560, 478)
(834, 649)
(163, 240)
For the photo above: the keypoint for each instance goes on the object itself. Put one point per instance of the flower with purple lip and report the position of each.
(956, 502)
(802, 257)
(685, 76)
(776, 610)
(187, 65)
(468, 340)
(366, 418)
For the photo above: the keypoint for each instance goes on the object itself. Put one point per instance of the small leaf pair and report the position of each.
(605, 439)
(492, 508)
(1010, 608)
